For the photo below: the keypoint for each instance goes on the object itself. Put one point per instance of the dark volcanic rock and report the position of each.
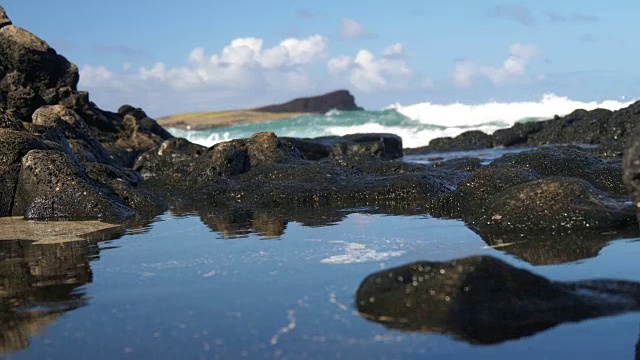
(631, 169)
(75, 131)
(148, 123)
(4, 19)
(266, 171)
(468, 140)
(53, 186)
(9, 121)
(384, 146)
(31, 72)
(463, 164)
(489, 181)
(518, 134)
(337, 100)
(14, 145)
(605, 128)
(484, 300)
(554, 205)
(569, 161)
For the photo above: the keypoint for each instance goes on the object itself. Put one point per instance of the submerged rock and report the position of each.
(484, 300)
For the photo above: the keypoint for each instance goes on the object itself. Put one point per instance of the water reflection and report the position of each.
(175, 259)
(549, 249)
(38, 283)
(483, 300)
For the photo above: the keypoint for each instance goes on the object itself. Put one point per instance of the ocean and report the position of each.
(417, 124)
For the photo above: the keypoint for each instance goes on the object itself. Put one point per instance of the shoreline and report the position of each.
(216, 119)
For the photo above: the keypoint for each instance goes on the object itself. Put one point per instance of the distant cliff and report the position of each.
(338, 100)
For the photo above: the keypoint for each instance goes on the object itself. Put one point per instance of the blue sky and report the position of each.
(194, 55)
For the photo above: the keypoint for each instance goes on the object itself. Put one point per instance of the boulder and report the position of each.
(75, 131)
(569, 161)
(51, 185)
(31, 72)
(518, 134)
(468, 140)
(383, 146)
(555, 205)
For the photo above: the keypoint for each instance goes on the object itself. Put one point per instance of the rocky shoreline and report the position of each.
(63, 158)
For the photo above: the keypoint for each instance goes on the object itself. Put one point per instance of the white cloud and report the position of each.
(92, 75)
(393, 50)
(514, 67)
(241, 67)
(351, 29)
(339, 65)
(368, 73)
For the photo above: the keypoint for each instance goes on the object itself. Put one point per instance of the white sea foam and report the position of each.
(358, 253)
(456, 114)
(411, 136)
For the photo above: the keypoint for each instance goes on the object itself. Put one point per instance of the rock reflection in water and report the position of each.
(237, 223)
(556, 249)
(240, 222)
(39, 282)
(484, 300)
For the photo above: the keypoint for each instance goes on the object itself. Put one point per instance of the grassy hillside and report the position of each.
(204, 120)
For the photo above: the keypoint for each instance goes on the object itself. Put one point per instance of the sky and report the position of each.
(195, 55)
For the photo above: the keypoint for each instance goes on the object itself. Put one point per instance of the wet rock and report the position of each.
(383, 146)
(16, 144)
(579, 127)
(461, 164)
(53, 186)
(126, 184)
(468, 140)
(518, 134)
(631, 169)
(554, 205)
(336, 100)
(264, 148)
(484, 300)
(172, 160)
(489, 181)
(569, 161)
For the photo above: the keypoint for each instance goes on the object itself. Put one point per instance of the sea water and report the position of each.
(417, 124)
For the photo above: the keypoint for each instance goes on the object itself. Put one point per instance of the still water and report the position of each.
(178, 288)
